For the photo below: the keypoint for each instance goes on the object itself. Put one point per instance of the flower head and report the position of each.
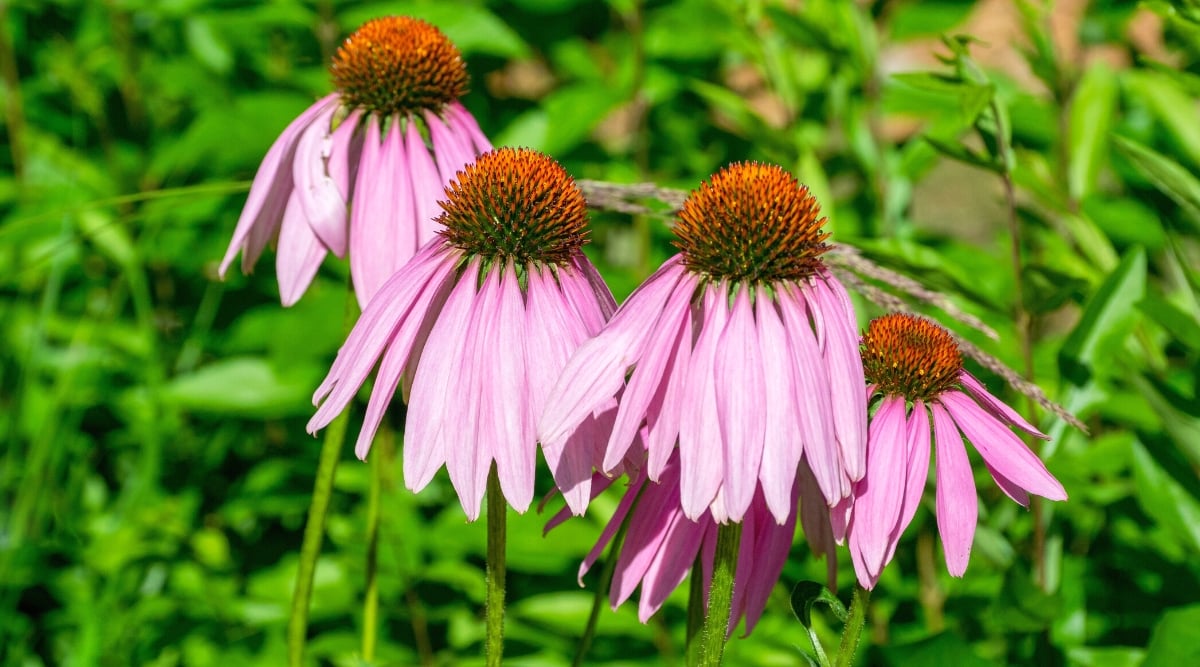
(914, 367)
(478, 326)
(661, 545)
(362, 168)
(742, 349)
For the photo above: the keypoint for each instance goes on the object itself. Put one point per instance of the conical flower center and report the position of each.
(751, 223)
(398, 64)
(910, 356)
(515, 204)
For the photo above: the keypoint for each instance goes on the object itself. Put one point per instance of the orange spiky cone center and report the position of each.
(905, 355)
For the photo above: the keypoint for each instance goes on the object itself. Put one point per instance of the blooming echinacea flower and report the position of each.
(384, 145)
(742, 349)
(915, 366)
(661, 544)
(477, 326)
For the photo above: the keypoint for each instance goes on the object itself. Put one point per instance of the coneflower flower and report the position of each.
(742, 349)
(384, 145)
(915, 368)
(661, 544)
(478, 326)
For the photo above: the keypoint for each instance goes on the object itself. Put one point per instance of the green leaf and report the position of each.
(1181, 325)
(1173, 106)
(806, 594)
(1163, 498)
(1091, 123)
(1108, 319)
(1175, 640)
(246, 386)
(1166, 174)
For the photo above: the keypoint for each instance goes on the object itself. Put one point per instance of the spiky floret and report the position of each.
(751, 223)
(909, 356)
(398, 64)
(515, 204)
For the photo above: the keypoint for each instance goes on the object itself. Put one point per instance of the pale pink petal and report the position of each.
(647, 377)
(917, 473)
(468, 127)
(740, 397)
(441, 399)
(597, 369)
(1011, 490)
(345, 151)
(957, 505)
(670, 564)
(996, 407)
(323, 206)
(513, 442)
(840, 347)
(470, 430)
(782, 445)
(700, 439)
(600, 484)
(449, 154)
(1002, 450)
(382, 237)
(662, 426)
(839, 517)
(813, 403)
(648, 526)
(866, 578)
(298, 256)
(270, 191)
(879, 496)
(614, 524)
(604, 297)
(400, 299)
(815, 521)
(770, 553)
(427, 185)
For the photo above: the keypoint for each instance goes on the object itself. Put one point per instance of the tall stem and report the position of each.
(314, 528)
(852, 632)
(497, 517)
(380, 457)
(720, 595)
(610, 565)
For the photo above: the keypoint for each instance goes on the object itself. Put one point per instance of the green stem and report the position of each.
(720, 595)
(380, 455)
(610, 566)
(314, 533)
(853, 630)
(695, 608)
(497, 517)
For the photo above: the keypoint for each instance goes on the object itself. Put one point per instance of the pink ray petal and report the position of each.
(448, 152)
(470, 431)
(468, 127)
(1002, 450)
(840, 347)
(345, 150)
(299, 255)
(515, 446)
(700, 439)
(782, 445)
(670, 565)
(323, 205)
(996, 407)
(646, 530)
(740, 397)
(382, 238)
(957, 505)
(610, 529)
(427, 185)
(663, 426)
(916, 474)
(879, 497)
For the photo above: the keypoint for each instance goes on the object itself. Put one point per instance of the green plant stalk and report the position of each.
(720, 595)
(610, 566)
(497, 518)
(370, 630)
(695, 608)
(314, 533)
(852, 632)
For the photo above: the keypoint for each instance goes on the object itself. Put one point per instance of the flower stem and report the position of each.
(380, 457)
(610, 566)
(314, 533)
(720, 595)
(853, 630)
(497, 517)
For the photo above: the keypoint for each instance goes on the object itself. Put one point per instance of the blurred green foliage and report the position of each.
(155, 471)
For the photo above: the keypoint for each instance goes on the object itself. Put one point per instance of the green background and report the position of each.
(155, 472)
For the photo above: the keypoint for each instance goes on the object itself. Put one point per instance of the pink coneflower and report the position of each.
(742, 349)
(478, 325)
(909, 360)
(386, 143)
(661, 545)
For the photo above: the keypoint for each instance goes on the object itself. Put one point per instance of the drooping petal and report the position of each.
(782, 444)
(647, 377)
(815, 521)
(700, 439)
(515, 446)
(670, 564)
(345, 151)
(427, 185)
(298, 256)
(957, 505)
(813, 402)
(840, 347)
(917, 472)
(597, 369)
(770, 553)
(647, 528)
(614, 524)
(449, 154)
(323, 205)
(604, 298)
(270, 191)
(879, 496)
(467, 127)
(740, 396)
(440, 382)
(1011, 490)
(996, 407)
(662, 428)
(374, 330)
(1002, 450)
(382, 235)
